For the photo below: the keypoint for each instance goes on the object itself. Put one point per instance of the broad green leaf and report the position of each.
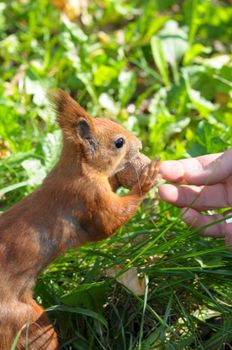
(191, 9)
(51, 147)
(107, 102)
(104, 74)
(195, 50)
(174, 42)
(91, 295)
(178, 126)
(2, 17)
(75, 31)
(35, 171)
(13, 187)
(127, 86)
(9, 46)
(153, 28)
(216, 62)
(159, 58)
(203, 106)
(207, 139)
(37, 87)
(79, 310)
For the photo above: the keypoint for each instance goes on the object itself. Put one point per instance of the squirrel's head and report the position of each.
(101, 143)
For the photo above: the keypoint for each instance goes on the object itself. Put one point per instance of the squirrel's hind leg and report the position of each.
(39, 334)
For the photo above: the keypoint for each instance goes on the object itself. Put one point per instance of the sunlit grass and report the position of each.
(162, 69)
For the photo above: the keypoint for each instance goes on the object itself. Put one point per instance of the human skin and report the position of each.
(201, 184)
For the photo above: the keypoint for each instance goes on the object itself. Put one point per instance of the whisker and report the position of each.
(137, 176)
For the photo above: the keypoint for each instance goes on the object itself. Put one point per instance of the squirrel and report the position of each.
(74, 205)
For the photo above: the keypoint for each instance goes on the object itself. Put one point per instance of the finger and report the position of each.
(196, 220)
(207, 169)
(181, 170)
(198, 197)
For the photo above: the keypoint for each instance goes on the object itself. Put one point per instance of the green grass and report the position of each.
(163, 69)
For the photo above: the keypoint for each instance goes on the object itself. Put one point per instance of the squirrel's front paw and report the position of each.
(147, 179)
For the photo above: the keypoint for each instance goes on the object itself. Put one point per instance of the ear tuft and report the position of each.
(75, 122)
(59, 99)
(63, 104)
(67, 109)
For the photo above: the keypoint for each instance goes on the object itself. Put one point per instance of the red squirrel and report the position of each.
(75, 204)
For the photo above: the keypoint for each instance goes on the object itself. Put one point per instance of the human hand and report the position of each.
(205, 183)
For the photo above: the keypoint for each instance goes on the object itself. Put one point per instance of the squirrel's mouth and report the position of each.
(121, 167)
(129, 158)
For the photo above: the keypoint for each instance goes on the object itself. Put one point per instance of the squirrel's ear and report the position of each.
(86, 133)
(75, 122)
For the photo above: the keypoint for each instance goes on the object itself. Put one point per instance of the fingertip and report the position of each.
(172, 170)
(189, 216)
(168, 193)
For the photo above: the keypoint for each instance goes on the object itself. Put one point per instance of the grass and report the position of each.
(162, 69)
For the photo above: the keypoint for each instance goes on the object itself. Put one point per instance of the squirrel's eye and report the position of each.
(119, 142)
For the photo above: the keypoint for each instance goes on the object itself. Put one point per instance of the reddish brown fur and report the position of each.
(75, 204)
